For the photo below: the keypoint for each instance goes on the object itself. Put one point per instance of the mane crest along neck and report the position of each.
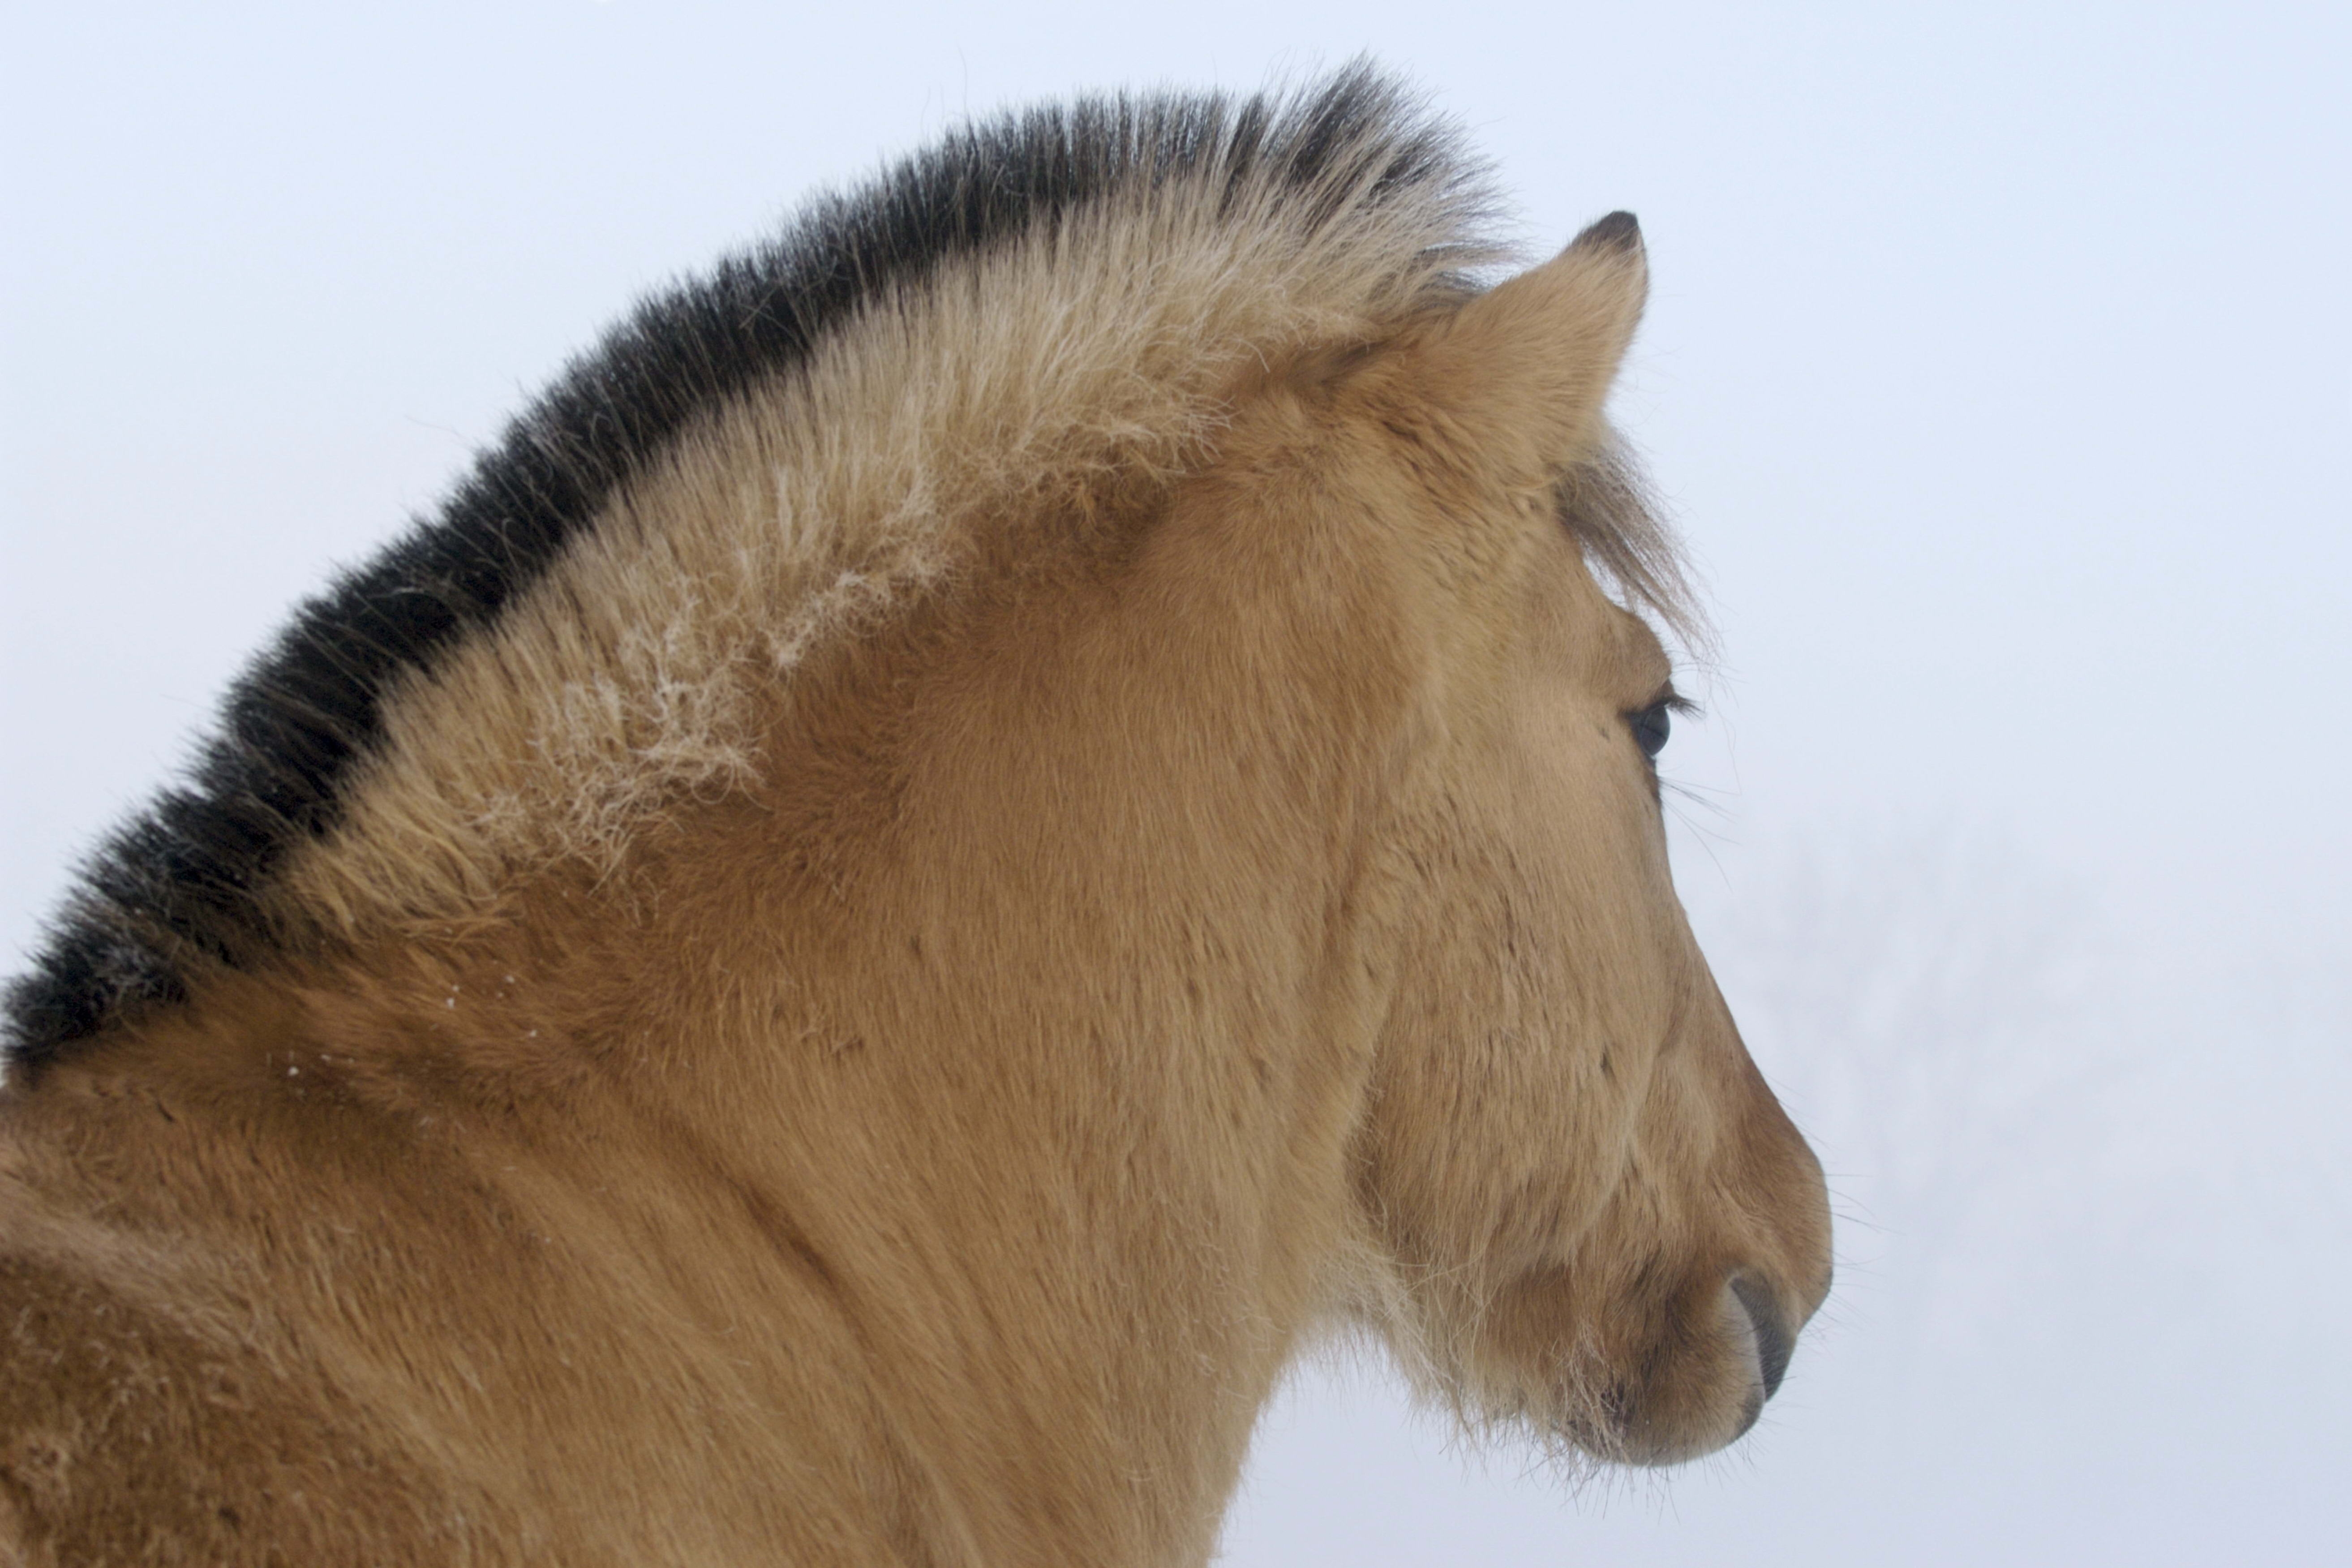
(1041, 307)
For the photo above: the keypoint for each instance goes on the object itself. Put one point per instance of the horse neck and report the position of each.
(1013, 1093)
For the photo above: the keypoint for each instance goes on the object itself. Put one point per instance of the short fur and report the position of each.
(976, 829)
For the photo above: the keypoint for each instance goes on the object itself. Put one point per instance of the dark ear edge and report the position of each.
(1611, 241)
(1523, 370)
(1620, 231)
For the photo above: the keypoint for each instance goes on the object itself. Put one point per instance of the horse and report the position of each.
(986, 823)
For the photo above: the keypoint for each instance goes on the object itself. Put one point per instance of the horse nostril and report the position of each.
(1773, 1341)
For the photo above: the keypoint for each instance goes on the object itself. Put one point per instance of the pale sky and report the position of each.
(1998, 370)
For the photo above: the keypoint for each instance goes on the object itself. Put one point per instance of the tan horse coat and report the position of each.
(1034, 860)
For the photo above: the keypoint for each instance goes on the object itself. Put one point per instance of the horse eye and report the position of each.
(1651, 726)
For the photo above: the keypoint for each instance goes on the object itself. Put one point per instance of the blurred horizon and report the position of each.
(1998, 370)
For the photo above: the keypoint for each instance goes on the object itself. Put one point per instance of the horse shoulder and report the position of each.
(153, 1406)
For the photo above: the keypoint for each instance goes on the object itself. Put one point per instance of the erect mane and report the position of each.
(1373, 205)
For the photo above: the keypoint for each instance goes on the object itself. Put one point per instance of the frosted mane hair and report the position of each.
(1277, 221)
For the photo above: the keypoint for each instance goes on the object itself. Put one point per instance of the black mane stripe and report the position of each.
(177, 889)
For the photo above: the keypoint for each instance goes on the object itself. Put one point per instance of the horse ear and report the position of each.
(1532, 358)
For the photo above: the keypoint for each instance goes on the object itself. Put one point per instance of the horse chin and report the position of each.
(1695, 1384)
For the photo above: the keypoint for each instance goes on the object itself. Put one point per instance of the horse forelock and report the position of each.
(1038, 310)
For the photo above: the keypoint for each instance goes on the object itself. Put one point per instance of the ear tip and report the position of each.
(1620, 231)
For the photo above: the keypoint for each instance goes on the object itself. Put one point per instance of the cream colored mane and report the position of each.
(972, 400)
(1016, 391)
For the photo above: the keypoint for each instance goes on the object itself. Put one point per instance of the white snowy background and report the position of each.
(1999, 369)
